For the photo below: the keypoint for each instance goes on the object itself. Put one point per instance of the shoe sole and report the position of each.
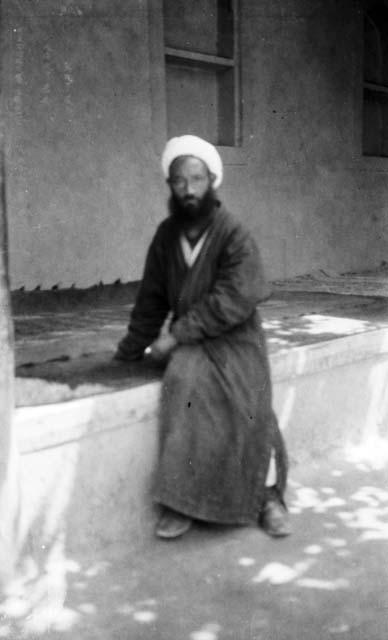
(170, 535)
(279, 535)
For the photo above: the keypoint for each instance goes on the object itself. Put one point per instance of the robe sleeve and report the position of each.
(151, 306)
(238, 286)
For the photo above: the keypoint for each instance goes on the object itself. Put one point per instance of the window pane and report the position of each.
(191, 25)
(225, 45)
(375, 133)
(384, 126)
(201, 93)
(372, 52)
(226, 108)
(384, 53)
(376, 45)
(375, 111)
(192, 102)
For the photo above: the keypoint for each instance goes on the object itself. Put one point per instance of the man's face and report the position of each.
(190, 182)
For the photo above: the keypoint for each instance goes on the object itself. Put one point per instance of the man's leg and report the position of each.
(274, 518)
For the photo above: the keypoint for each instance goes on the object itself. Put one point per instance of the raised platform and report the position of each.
(87, 428)
(65, 352)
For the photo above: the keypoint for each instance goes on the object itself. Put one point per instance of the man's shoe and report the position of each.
(172, 524)
(275, 519)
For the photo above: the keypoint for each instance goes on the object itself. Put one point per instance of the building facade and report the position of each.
(294, 93)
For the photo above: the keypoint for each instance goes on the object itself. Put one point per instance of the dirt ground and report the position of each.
(327, 581)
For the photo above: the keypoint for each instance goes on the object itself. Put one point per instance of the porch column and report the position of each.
(9, 499)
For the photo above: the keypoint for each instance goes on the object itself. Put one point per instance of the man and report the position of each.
(196, 310)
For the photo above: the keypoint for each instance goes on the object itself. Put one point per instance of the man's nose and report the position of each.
(190, 188)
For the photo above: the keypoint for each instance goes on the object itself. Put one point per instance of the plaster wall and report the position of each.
(84, 89)
(315, 201)
(82, 174)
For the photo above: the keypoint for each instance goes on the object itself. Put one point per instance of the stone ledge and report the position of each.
(89, 376)
(50, 425)
(312, 358)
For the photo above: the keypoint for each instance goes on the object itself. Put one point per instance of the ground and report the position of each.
(326, 581)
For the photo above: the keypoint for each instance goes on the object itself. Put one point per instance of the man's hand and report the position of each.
(165, 343)
(161, 348)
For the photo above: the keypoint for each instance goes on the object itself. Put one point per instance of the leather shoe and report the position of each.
(275, 519)
(172, 524)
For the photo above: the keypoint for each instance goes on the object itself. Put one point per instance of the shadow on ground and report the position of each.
(328, 580)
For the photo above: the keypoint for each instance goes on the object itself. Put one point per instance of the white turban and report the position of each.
(193, 146)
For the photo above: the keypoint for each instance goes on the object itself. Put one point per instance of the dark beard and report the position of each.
(188, 215)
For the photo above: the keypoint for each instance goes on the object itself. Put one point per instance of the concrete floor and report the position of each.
(327, 581)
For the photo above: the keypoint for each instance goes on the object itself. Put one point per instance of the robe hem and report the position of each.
(198, 514)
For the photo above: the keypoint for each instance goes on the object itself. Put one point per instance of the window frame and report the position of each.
(377, 88)
(192, 58)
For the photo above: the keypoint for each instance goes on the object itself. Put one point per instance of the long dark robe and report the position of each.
(217, 426)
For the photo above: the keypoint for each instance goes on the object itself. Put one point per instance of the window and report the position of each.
(375, 111)
(202, 69)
